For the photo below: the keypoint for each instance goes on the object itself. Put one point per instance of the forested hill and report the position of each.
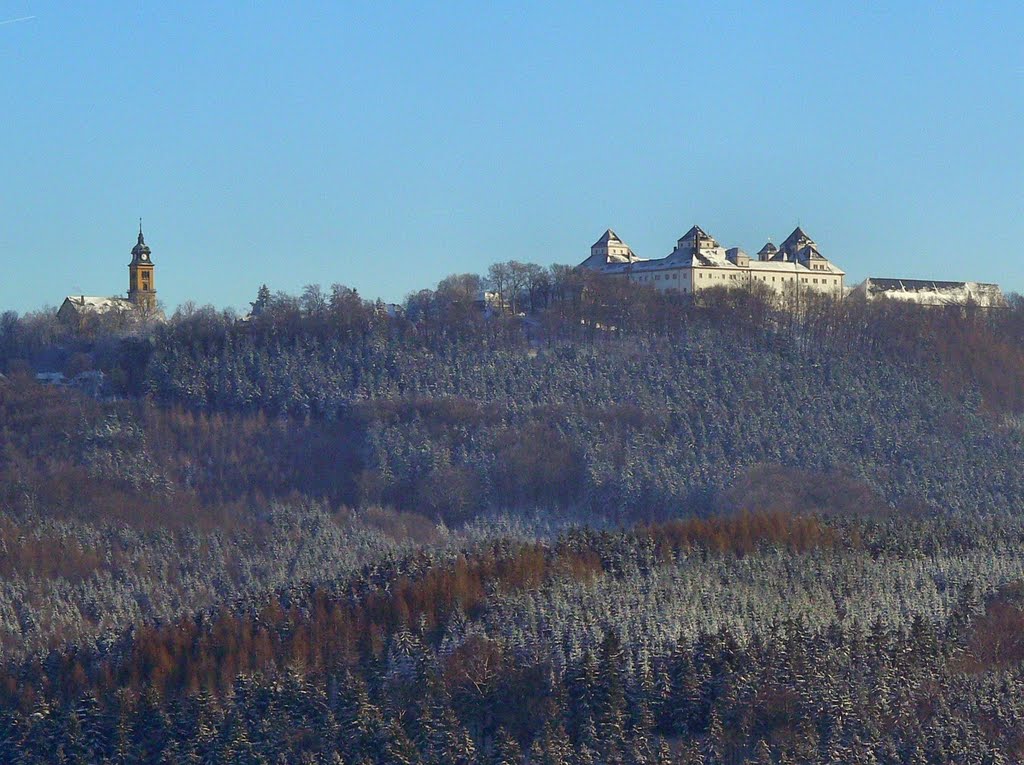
(602, 527)
(607, 400)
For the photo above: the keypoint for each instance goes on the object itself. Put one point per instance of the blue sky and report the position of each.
(385, 146)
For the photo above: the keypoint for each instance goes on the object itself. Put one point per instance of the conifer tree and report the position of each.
(506, 750)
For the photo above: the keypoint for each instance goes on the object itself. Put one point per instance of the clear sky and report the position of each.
(384, 146)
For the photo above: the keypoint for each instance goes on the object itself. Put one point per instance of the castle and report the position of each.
(698, 262)
(141, 290)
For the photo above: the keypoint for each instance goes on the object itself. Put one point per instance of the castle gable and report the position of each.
(609, 250)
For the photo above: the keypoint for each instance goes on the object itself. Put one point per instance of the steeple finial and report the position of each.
(140, 231)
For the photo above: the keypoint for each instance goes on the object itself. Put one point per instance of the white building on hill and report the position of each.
(927, 292)
(698, 262)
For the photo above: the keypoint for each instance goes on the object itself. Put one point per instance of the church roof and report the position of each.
(95, 304)
(140, 248)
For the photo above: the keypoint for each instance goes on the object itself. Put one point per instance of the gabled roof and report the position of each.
(798, 236)
(95, 304)
(768, 248)
(606, 237)
(696, 232)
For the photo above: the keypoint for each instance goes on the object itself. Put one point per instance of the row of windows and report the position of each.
(657, 277)
(732, 277)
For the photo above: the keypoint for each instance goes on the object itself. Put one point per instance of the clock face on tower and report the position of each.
(145, 256)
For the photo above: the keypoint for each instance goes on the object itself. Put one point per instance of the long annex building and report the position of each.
(699, 262)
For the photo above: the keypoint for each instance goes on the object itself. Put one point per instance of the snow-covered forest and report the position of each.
(604, 525)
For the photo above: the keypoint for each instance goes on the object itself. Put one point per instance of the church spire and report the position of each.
(141, 283)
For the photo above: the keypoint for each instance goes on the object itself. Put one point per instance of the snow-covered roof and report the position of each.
(698, 249)
(96, 304)
(715, 258)
(606, 237)
(609, 249)
(696, 233)
(826, 266)
(930, 292)
(777, 266)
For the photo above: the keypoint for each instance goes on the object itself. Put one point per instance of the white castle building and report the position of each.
(930, 293)
(699, 262)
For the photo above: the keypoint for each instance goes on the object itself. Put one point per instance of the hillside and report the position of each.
(621, 527)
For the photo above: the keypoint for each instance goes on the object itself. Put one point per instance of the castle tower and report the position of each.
(141, 287)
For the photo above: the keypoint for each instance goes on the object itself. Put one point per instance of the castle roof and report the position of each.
(696, 232)
(768, 249)
(798, 236)
(606, 237)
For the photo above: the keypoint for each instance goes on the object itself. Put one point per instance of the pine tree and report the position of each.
(12, 732)
(552, 747)
(610, 696)
(41, 738)
(262, 302)
(762, 753)
(664, 755)
(506, 750)
(359, 721)
(395, 747)
(582, 686)
(683, 714)
(74, 746)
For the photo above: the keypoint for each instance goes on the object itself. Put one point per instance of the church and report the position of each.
(141, 290)
(698, 262)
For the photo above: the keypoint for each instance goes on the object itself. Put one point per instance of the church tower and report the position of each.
(141, 287)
